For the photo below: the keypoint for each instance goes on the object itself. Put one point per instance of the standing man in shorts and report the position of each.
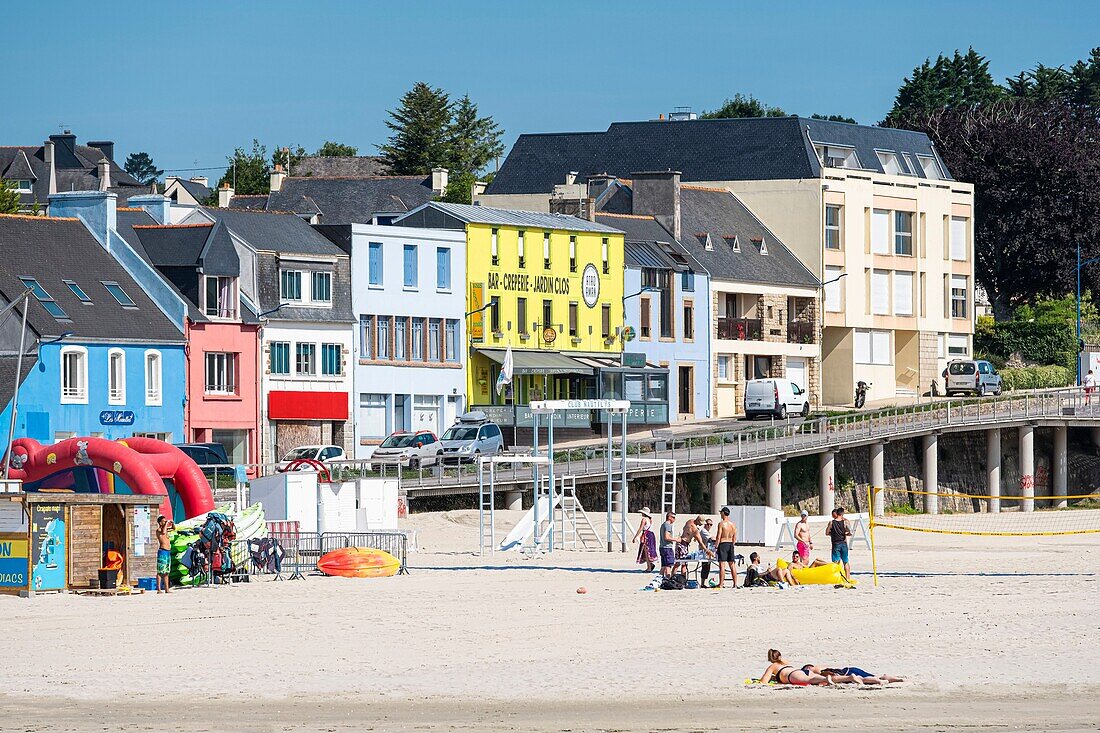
(839, 532)
(667, 544)
(724, 540)
(1090, 386)
(164, 552)
(804, 542)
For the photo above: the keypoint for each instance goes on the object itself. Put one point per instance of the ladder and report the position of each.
(487, 523)
(619, 496)
(542, 531)
(668, 487)
(576, 525)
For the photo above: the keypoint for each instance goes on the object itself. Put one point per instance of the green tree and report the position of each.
(288, 156)
(963, 80)
(833, 118)
(248, 172)
(336, 150)
(1085, 76)
(459, 188)
(1042, 83)
(420, 127)
(743, 106)
(474, 141)
(9, 199)
(140, 166)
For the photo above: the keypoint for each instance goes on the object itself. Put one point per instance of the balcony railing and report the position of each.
(741, 329)
(800, 332)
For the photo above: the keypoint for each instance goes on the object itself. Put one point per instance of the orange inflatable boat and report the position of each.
(359, 562)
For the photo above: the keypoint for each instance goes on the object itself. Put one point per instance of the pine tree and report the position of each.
(963, 80)
(473, 141)
(1085, 79)
(141, 168)
(9, 199)
(420, 125)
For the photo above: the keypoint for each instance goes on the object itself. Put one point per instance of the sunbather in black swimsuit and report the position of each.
(779, 675)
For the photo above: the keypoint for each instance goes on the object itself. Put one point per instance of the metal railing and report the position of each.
(800, 332)
(741, 329)
(746, 445)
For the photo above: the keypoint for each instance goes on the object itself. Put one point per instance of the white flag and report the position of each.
(505, 376)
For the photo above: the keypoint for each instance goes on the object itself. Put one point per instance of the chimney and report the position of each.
(48, 157)
(439, 180)
(201, 180)
(657, 194)
(104, 146)
(67, 142)
(104, 167)
(277, 177)
(155, 205)
(225, 195)
(96, 209)
(477, 189)
(570, 178)
(598, 183)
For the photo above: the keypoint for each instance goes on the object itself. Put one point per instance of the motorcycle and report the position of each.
(861, 393)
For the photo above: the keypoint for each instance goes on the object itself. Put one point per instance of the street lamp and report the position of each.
(646, 289)
(1080, 265)
(830, 282)
(26, 298)
(273, 310)
(483, 308)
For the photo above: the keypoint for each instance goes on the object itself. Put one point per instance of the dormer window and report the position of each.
(705, 240)
(930, 167)
(20, 185)
(836, 156)
(889, 162)
(733, 242)
(220, 297)
(761, 245)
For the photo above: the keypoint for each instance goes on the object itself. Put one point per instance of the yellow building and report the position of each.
(549, 286)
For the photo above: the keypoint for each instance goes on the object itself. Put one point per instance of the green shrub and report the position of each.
(1036, 377)
(1038, 342)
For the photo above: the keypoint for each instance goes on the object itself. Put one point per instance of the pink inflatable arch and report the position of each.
(142, 463)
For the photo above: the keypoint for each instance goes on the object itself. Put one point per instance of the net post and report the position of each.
(871, 531)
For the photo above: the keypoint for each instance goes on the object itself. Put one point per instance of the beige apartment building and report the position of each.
(873, 212)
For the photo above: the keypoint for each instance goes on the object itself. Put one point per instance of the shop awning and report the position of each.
(613, 362)
(539, 362)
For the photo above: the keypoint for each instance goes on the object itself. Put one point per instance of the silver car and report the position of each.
(472, 437)
(970, 375)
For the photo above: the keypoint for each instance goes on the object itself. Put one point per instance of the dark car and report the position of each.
(206, 454)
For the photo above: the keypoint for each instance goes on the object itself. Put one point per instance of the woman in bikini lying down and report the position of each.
(788, 674)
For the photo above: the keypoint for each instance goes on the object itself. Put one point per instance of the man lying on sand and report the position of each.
(858, 674)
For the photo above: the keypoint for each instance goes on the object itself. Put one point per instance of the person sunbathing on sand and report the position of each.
(779, 575)
(788, 674)
(863, 676)
(796, 562)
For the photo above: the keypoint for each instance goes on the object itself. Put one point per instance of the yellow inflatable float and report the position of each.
(830, 574)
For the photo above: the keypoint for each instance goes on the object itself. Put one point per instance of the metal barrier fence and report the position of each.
(395, 543)
(302, 550)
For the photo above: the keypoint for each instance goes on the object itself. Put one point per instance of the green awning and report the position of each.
(539, 362)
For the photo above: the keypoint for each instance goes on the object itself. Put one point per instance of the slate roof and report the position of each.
(755, 148)
(441, 215)
(648, 244)
(125, 221)
(351, 200)
(249, 202)
(52, 250)
(198, 191)
(277, 232)
(76, 170)
(359, 166)
(720, 214)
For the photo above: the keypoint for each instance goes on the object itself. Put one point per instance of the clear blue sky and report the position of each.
(188, 82)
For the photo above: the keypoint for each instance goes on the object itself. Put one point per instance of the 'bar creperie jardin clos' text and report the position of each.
(520, 282)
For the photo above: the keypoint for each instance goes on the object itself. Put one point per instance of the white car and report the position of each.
(319, 453)
(408, 450)
(776, 397)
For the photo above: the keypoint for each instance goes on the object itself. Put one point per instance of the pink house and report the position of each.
(223, 334)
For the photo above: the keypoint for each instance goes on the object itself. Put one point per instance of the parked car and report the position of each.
(408, 450)
(320, 453)
(206, 454)
(776, 397)
(971, 375)
(471, 437)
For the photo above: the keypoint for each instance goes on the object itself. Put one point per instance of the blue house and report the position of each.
(100, 357)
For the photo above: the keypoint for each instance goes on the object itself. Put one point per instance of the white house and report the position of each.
(408, 295)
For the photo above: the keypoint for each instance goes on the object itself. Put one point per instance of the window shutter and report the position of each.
(903, 293)
(880, 231)
(880, 292)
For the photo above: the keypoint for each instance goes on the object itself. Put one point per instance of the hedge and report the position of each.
(1036, 377)
(1038, 342)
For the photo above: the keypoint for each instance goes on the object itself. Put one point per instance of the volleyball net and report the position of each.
(981, 515)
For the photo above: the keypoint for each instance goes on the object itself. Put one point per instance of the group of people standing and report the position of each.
(673, 549)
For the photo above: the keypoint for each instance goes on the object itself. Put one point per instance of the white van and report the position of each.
(776, 397)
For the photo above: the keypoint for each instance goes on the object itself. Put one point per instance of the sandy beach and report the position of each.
(992, 633)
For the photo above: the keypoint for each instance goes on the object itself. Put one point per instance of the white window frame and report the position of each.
(903, 306)
(864, 350)
(838, 228)
(154, 378)
(494, 247)
(227, 360)
(221, 313)
(312, 291)
(954, 351)
(79, 394)
(312, 359)
(521, 249)
(19, 188)
(848, 158)
(912, 224)
(964, 299)
(929, 162)
(724, 368)
(374, 401)
(283, 297)
(116, 393)
(886, 158)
